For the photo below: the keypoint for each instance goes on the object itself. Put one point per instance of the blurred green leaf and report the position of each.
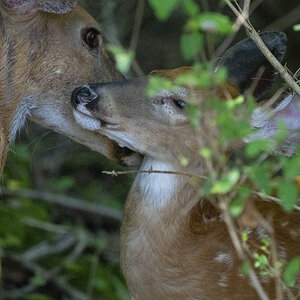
(288, 194)
(37, 297)
(123, 58)
(211, 22)
(194, 114)
(191, 44)
(163, 8)
(190, 7)
(205, 152)
(257, 147)
(236, 207)
(291, 271)
(156, 84)
(183, 160)
(260, 175)
(226, 183)
(62, 184)
(296, 27)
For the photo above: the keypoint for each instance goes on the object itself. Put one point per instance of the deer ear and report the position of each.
(57, 6)
(245, 62)
(51, 6)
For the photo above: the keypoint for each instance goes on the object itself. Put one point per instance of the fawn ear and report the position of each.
(245, 62)
(51, 6)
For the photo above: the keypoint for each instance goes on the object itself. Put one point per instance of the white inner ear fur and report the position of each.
(266, 123)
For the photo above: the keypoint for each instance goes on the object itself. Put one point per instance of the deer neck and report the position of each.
(15, 82)
(158, 200)
(156, 216)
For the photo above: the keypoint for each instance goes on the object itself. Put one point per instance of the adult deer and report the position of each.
(46, 49)
(174, 244)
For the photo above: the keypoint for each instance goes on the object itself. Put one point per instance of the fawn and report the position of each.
(174, 243)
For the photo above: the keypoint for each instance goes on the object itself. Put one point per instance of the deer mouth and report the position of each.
(86, 120)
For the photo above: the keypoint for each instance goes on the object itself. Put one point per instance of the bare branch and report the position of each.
(150, 171)
(241, 253)
(252, 34)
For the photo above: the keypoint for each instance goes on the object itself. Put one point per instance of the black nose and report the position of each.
(84, 95)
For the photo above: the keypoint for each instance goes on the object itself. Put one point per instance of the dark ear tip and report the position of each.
(275, 41)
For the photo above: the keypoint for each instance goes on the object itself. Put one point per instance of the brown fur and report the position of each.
(178, 246)
(42, 59)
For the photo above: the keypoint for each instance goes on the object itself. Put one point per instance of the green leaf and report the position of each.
(190, 7)
(194, 114)
(123, 58)
(191, 44)
(246, 268)
(236, 207)
(156, 84)
(255, 148)
(291, 271)
(290, 167)
(220, 76)
(211, 22)
(38, 280)
(205, 152)
(296, 27)
(245, 236)
(163, 8)
(288, 194)
(183, 160)
(226, 183)
(260, 175)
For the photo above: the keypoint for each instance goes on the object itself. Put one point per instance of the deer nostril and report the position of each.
(84, 92)
(83, 95)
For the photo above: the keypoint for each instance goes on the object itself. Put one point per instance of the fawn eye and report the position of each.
(179, 103)
(91, 37)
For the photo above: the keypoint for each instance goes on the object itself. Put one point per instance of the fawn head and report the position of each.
(158, 126)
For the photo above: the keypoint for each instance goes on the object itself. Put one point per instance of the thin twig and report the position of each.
(252, 34)
(241, 253)
(150, 171)
(137, 25)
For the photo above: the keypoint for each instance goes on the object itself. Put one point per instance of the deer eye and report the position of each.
(90, 37)
(179, 103)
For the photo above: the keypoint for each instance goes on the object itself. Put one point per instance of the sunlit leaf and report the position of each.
(211, 22)
(226, 183)
(296, 27)
(123, 58)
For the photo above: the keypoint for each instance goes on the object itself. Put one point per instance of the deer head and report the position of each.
(47, 48)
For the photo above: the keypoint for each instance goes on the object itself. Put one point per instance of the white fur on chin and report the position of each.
(84, 118)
